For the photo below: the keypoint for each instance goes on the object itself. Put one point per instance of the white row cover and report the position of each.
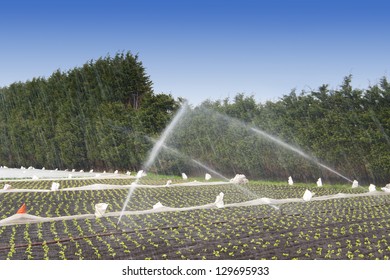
(239, 179)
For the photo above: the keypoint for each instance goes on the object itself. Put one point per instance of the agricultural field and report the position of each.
(343, 228)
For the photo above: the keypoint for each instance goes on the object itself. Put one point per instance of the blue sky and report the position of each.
(203, 49)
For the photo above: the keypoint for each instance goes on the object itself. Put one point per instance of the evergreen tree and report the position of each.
(94, 116)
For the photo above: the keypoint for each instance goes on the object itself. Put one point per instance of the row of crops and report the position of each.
(345, 228)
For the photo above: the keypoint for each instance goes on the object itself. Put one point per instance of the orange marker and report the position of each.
(22, 209)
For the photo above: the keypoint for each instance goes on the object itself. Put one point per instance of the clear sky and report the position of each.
(203, 49)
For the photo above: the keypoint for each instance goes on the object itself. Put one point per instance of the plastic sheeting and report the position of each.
(26, 218)
(219, 200)
(55, 186)
(140, 174)
(307, 195)
(386, 188)
(158, 205)
(239, 179)
(100, 209)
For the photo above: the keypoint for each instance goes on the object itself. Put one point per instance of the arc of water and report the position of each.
(160, 142)
(155, 151)
(208, 168)
(204, 166)
(131, 190)
(297, 151)
(281, 143)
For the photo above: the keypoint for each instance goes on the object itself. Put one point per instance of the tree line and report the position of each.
(104, 114)
(345, 129)
(93, 116)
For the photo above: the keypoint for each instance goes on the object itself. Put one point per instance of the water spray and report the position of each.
(278, 141)
(297, 151)
(204, 166)
(166, 133)
(155, 151)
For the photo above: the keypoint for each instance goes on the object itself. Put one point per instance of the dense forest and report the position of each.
(104, 114)
(94, 116)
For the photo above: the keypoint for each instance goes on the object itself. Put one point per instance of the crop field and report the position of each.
(342, 228)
